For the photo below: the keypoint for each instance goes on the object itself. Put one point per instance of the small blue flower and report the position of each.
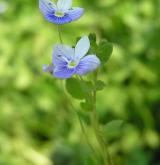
(67, 61)
(60, 13)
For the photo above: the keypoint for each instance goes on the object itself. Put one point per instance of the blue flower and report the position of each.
(67, 61)
(60, 13)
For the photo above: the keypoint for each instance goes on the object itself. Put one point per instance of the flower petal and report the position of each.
(47, 6)
(82, 47)
(88, 64)
(64, 5)
(57, 20)
(75, 13)
(62, 54)
(63, 72)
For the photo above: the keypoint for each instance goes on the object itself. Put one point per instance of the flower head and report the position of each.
(67, 61)
(60, 13)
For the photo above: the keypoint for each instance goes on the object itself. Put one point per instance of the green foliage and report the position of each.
(87, 104)
(113, 129)
(100, 85)
(93, 42)
(78, 89)
(82, 90)
(103, 50)
(75, 88)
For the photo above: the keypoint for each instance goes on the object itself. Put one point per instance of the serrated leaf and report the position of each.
(104, 51)
(113, 129)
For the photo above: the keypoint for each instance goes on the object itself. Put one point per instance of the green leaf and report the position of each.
(104, 51)
(113, 129)
(87, 86)
(94, 46)
(99, 85)
(74, 88)
(78, 89)
(87, 105)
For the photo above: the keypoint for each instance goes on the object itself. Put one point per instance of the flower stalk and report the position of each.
(86, 136)
(94, 120)
(95, 124)
(59, 34)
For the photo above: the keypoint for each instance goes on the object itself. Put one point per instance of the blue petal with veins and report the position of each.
(60, 13)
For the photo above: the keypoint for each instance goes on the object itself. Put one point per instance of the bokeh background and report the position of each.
(37, 124)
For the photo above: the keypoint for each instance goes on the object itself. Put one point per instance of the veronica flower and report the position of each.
(67, 61)
(60, 13)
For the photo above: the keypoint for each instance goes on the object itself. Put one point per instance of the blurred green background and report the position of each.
(37, 124)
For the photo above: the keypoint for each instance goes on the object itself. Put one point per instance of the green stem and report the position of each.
(95, 123)
(82, 127)
(59, 34)
(86, 136)
(96, 131)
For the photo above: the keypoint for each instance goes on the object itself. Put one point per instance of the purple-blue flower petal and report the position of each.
(75, 13)
(47, 6)
(69, 15)
(63, 72)
(50, 17)
(62, 54)
(87, 64)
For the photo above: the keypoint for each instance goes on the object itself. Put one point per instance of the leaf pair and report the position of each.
(81, 89)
